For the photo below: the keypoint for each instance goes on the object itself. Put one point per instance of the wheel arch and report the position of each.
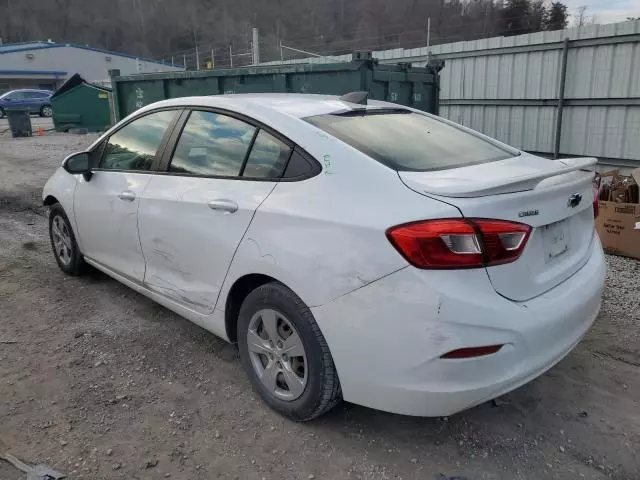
(237, 293)
(50, 200)
(242, 287)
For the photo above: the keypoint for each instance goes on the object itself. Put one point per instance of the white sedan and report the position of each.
(354, 249)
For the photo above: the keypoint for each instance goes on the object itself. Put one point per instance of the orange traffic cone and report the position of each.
(40, 132)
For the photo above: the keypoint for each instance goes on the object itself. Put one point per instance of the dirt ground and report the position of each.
(99, 382)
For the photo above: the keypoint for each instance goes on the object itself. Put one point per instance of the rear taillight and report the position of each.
(459, 243)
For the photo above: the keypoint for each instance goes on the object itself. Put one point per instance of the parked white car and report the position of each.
(354, 250)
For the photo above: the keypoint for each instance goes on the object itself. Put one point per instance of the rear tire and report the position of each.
(63, 242)
(318, 390)
(1, 112)
(46, 111)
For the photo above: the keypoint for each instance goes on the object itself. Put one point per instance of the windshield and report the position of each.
(410, 141)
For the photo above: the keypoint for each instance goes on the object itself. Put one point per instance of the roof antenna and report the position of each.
(355, 97)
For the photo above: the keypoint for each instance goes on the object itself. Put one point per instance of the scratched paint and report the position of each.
(168, 289)
(265, 256)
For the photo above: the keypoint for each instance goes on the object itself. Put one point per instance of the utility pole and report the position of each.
(563, 81)
(197, 58)
(230, 56)
(428, 32)
(255, 46)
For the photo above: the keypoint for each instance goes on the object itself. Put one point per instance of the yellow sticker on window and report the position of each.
(103, 95)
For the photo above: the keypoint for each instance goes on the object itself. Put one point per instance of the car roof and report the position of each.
(298, 105)
(39, 90)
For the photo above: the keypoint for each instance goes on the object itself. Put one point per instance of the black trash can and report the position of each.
(19, 122)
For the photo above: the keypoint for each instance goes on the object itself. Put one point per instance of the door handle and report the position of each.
(127, 195)
(223, 205)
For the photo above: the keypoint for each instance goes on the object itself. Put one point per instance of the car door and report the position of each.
(193, 216)
(16, 100)
(39, 100)
(31, 101)
(106, 205)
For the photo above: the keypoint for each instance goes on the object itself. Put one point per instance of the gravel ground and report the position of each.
(101, 383)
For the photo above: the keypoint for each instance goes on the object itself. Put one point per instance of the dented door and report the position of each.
(189, 230)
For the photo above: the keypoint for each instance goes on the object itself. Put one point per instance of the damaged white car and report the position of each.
(354, 249)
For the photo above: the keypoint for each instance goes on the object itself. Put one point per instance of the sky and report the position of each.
(605, 11)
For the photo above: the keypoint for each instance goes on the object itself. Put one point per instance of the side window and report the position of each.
(135, 145)
(212, 144)
(268, 157)
(16, 96)
(300, 166)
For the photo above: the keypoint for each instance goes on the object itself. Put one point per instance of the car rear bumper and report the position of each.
(387, 338)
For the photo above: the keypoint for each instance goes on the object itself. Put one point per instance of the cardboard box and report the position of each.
(618, 226)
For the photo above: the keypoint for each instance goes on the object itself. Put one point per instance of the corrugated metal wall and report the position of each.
(508, 87)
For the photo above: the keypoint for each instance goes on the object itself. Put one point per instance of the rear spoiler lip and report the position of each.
(516, 184)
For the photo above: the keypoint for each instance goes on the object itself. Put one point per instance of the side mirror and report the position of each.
(78, 163)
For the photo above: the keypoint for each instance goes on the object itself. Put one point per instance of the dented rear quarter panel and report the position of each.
(326, 236)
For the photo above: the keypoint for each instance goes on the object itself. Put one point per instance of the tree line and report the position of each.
(163, 29)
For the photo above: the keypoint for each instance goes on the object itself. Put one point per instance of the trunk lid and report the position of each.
(553, 197)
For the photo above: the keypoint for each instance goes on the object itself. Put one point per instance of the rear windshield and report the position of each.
(408, 141)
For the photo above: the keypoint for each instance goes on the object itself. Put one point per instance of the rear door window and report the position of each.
(408, 141)
(212, 144)
(268, 157)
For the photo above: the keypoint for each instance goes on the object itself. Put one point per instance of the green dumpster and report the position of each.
(417, 87)
(80, 104)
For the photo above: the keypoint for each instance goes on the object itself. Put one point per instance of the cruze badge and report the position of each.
(574, 200)
(528, 213)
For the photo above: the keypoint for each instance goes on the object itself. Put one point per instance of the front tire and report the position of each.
(285, 354)
(46, 111)
(63, 242)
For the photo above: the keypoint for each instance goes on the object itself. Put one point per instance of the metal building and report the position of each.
(47, 65)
